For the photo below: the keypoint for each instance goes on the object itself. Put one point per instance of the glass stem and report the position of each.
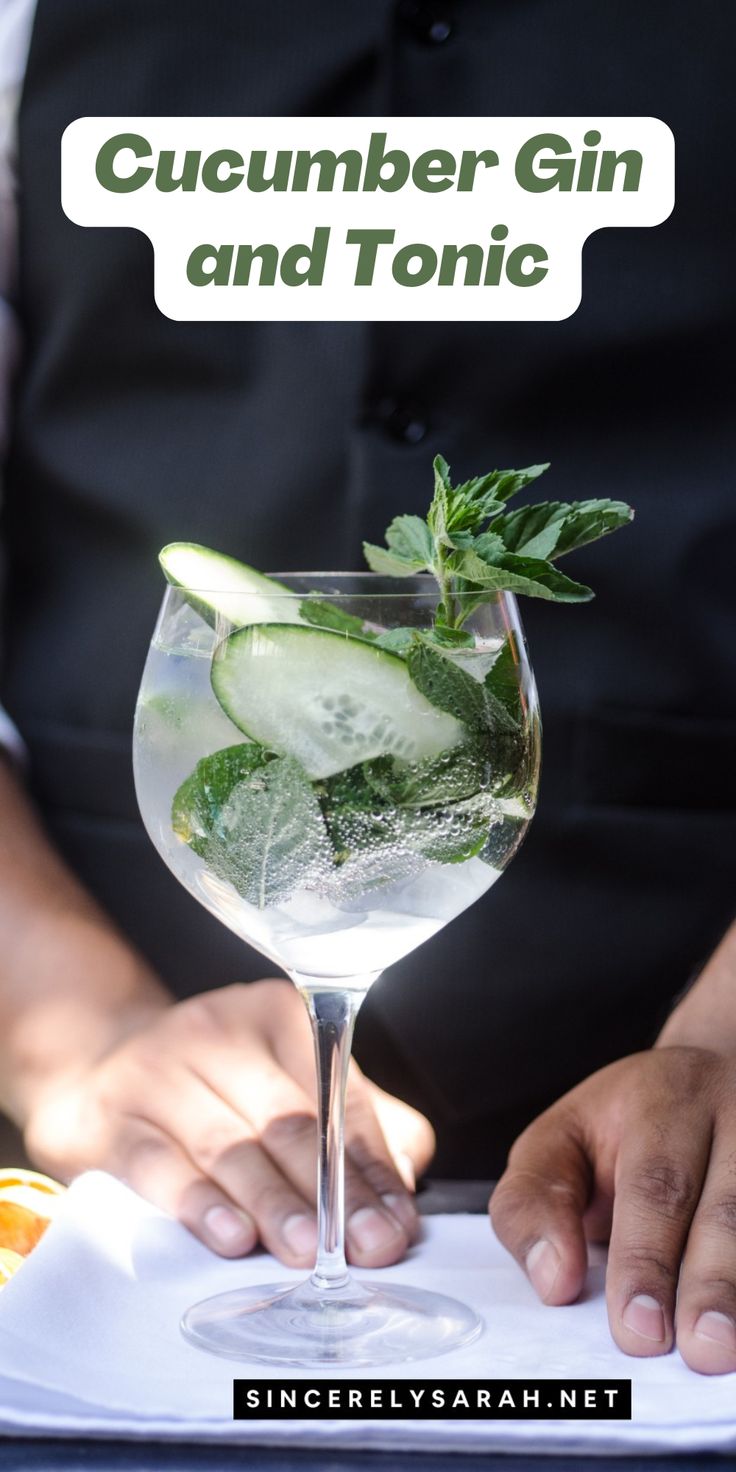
(332, 1014)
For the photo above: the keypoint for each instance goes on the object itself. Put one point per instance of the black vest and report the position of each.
(285, 444)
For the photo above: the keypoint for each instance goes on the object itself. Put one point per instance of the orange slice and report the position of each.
(27, 1204)
(9, 1264)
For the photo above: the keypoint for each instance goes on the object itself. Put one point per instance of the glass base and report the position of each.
(355, 1324)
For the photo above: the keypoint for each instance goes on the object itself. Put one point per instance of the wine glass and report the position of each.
(335, 782)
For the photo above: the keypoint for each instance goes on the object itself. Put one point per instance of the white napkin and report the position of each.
(90, 1344)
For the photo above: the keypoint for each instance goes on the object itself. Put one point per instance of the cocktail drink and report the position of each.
(356, 818)
(336, 765)
(295, 773)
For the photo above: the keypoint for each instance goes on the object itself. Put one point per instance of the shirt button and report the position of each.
(424, 21)
(401, 422)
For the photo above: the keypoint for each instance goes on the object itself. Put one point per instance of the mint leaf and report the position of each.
(437, 516)
(502, 680)
(330, 616)
(452, 837)
(509, 482)
(410, 538)
(441, 474)
(531, 575)
(457, 510)
(556, 527)
(586, 521)
(357, 787)
(539, 579)
(504, 841)
(199, 801)
(382, 846)
(386, 822)
(388, 564)
(453, 690)
(467, 511)
(255, 821)
(499, 738)
(448, 637)
(399, 641)
(489, 546)
(456, 774)
(532, 530)
(269, 838)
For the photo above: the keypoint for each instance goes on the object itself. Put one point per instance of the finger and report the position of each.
(538, 1205)
(380, 1217)
(385, 1162)
(408, 1134)
(225, 1148)
(283, 1119)
(286, 1221)
(368, 1153)
(377, 1232)
(598, 1215)
(706, 1305)
(157, 1168)
(659, 1175)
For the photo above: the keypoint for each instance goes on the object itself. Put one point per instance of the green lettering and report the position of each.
(427, 265)
(104, 163)
(187, 180)
(434, 172)
(368, 242)
(496, 252)
(218, 274)
(469, 163)
(472, 255)
(632, 162)
(515, 263)
(560, 170)
(266, 255)
(327, 164)
(279, 180)
(377, 160)
(315, 255)
(586, 171)
(211, 177)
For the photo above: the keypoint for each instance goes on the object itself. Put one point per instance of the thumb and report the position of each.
(538, 1205)
(409, 1136)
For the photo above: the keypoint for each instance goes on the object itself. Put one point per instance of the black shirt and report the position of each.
(286, 444)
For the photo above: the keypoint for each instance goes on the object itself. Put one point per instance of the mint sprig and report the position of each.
(472, 545)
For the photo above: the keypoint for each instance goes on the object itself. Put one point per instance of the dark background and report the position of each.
(286, 443)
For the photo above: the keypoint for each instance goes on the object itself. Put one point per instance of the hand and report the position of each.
(644, 1150)
(209, 1111)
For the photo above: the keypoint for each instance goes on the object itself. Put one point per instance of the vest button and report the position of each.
(424, 21)
(401, 422)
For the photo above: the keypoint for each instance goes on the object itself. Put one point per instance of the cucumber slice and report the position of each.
(326, 699)
(218, 585)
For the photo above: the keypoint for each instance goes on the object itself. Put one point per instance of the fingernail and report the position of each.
(644, 1316)
(718, 1327)
(403, 1208)
(228, 1227)
(405, 1167)
(370, 1229)
(299, 1232)
(543, 1265)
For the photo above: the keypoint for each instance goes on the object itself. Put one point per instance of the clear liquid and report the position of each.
(336, 931)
